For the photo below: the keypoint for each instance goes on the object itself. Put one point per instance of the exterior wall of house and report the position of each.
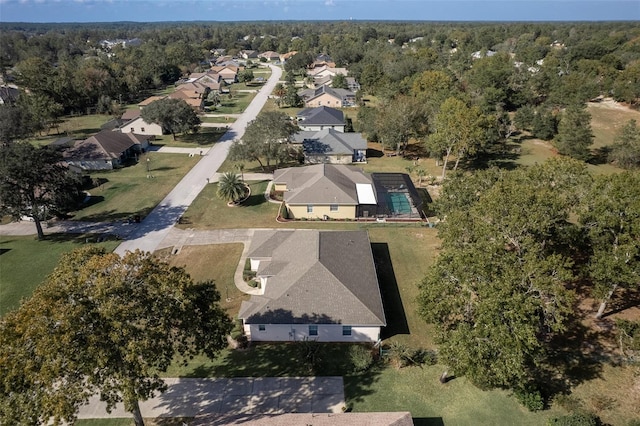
(317, 128)
(93, 165)
(298, 332)
(330, 159)
(320, 211)
(141, 127)
(326, 100)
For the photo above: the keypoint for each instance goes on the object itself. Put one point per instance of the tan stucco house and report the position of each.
(328, 96)
(132, 122)
(325, 191)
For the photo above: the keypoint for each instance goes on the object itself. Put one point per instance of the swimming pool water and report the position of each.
(398, 202)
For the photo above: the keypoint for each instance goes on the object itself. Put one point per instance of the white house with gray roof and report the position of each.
(316, 285)
(331, 146)
(320, 118)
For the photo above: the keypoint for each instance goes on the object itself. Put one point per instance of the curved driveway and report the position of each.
(155, 227)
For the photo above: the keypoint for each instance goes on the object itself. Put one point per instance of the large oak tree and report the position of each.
(266, 139)
(499, 287)
(35, 183)
(611, 216)
(107, 325)
(174, 115)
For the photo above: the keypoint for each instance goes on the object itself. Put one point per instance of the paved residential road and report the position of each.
(154, 228)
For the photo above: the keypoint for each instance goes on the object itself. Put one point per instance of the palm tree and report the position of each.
(231, 188)
(279, 92)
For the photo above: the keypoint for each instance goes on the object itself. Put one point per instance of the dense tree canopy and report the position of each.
(34, 183)
(535, 64)
(174, 115)
(265, 139)
(102, 324)
(499, 287)
(625, 151)
(611, 216)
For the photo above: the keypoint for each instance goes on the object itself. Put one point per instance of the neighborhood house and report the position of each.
(316, 285)
(338, 191)
(332, 146)
(319, 118)
(106, 150)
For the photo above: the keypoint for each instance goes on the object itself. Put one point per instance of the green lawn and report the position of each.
(383, 388)
(25, 262)
(128, 191)
(215, 262)
(234, 105)
(271, 106)
(77, 127)
(419, 391)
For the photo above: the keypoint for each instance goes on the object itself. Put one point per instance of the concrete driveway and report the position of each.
(246, 395)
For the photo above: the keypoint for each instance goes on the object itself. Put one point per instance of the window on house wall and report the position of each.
(310, 208)
(313, 330)
(346, 330)
(142, 129)
(333, 207)
(262, 327)
(133, 130)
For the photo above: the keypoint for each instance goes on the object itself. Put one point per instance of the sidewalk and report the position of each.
(25, 227)
(191, 397)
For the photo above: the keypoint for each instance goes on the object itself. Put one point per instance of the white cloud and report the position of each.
(329, 3)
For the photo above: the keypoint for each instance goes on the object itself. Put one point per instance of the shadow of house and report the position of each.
(316, 419)
(393, 307)
(316, 285)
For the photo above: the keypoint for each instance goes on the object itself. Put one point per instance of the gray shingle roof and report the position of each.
(341, 94)
(330, 142)
(105, 145)
(321, 115)
(323, 277)
(321, 184)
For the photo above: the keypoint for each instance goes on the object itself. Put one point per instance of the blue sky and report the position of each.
(259, 10)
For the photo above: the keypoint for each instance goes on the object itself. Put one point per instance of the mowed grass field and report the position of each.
(25, 262)
(607, 118)
(129, 191)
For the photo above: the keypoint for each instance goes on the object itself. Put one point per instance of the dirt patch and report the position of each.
(604, 329)
(610, 103)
